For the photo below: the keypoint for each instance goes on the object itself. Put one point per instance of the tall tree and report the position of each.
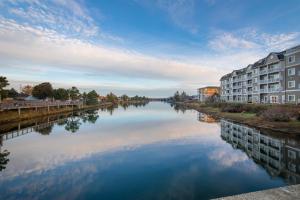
(12, 93)
(27, 89)
(74, 93)
(3, 84)
(60, 94)
(112, 98)
(92, 98)
(42, 91)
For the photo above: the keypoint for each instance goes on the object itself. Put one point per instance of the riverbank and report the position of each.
(247, 118)
(13, 115)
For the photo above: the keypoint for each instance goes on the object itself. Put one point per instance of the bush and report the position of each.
(233, 108)
(279, 114)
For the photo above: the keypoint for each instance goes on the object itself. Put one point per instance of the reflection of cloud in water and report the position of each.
(34, 153)
(226, 158)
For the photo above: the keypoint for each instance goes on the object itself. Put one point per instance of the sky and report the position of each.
(144, 47)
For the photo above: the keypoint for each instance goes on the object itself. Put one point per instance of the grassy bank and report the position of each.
(276, 118)
(13, 115)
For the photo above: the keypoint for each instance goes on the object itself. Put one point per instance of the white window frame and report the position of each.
(291, 71)
(294, 97)
(292, 59)
(274, 99)
(293, 84)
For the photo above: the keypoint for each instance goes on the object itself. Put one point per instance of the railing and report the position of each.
(274, 89)
(36, 104)
(263, 81)
(263, 71)
(265, 90)
(276, 69)
(274, 80)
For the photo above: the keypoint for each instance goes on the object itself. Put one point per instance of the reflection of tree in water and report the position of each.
(111, 108)
(135, 104)
(4, 159)
(178, 108)
(45, 130)
(90, 116)
(72, 124)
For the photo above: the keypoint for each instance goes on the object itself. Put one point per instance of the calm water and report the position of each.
(150, 152)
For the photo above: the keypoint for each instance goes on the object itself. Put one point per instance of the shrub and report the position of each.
(233, 108)
(279, 114)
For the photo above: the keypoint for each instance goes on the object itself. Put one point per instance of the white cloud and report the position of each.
(46, 47)
(253, 40)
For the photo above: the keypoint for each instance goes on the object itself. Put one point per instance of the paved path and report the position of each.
(282, 193)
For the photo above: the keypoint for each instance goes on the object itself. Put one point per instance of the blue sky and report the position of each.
(145, 47)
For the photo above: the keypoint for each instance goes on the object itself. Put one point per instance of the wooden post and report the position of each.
(36, 109)
(48, 108)
(19, 111)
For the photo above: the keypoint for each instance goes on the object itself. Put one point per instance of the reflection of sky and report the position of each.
(153, 150)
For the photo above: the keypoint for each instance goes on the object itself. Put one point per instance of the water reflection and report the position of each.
(160, 153)
(278, 155)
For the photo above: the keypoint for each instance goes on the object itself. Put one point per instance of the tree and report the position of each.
(27, 89)
(112, 98)
(92, 98)
(12, 93)
(124, 97)
(74, 93)
(176, 96)
(60, 94)
(42, 91)
(3, 84)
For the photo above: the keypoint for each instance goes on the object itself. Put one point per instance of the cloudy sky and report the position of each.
(145, 47)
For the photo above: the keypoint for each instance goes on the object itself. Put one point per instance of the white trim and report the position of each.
(288, 99)
(293, 65)
(293, 84)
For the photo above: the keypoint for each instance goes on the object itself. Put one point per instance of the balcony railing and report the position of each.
(265, 90)
(263, 71)
(263, 81)
(276, 69)
(274, 89)
(272, 80)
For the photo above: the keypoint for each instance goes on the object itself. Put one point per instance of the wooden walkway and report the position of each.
(36, 104)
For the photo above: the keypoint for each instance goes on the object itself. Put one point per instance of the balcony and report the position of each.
(264, 90)
(274, 89)
(276, 69)
(265, 71)
(265, 81)
(272, 80)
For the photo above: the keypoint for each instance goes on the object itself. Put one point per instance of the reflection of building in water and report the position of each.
(279, 156)
(206, 118)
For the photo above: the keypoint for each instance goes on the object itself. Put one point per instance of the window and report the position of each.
(274, 99)
(291, 154)
(291, 59)
(291, 97)
(291, 71)
(291, 84)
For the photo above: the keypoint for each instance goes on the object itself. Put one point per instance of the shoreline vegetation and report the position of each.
(284, 118)
(11, 116)
(37, 101)
(277, 118)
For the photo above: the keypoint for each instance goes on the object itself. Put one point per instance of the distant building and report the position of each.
(273, 79)
(205, 92)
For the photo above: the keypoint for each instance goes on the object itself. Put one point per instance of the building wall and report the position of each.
(274, 79)
(206, 92)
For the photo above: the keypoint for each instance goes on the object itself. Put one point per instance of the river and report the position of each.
(142, 152)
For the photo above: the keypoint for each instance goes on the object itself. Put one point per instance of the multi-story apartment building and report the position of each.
(279, 156)
(205, 92)
(273, 79)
